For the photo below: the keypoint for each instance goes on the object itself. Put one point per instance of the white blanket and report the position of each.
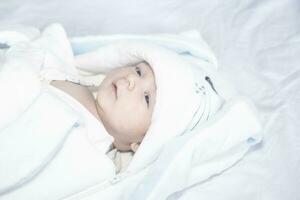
(193, 157)
(42, 139)
(190, 159)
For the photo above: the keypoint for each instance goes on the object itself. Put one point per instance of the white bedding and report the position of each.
(257, 46)
(46, 135)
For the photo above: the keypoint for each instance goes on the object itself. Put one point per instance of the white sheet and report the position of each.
(257, 46)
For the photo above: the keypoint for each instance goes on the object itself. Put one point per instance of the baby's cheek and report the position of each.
(143, 126)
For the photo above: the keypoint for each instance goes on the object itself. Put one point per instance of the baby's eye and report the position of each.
(138, 71)
(147, 99)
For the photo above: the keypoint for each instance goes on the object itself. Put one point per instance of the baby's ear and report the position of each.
(134, 146)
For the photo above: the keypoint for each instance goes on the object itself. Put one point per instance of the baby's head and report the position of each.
(125, 103)
(181, 96)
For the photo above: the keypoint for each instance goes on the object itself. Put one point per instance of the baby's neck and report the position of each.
(79, 92)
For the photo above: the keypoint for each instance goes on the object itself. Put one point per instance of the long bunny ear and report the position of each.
(108, 57)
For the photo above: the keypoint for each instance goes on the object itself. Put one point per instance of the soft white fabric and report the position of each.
(12, 34)
(126, 184)
(257, 45)
(121, 159)
(19, 83)
(188, 43)
(194, 158)
(207, 151)
(30, 142)
(46, 135)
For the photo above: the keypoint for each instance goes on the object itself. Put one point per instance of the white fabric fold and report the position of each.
(205, 152)
(190, 158)
(31, 141)
(48, 141)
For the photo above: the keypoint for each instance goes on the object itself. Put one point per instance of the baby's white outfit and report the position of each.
(82, 160)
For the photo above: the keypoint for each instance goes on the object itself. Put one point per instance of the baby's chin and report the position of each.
(121, 147)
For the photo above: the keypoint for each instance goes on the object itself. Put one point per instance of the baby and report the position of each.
(149, 96)
(124, 103)
(161, 96)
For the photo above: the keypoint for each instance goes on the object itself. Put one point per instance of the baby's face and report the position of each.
(125, 103)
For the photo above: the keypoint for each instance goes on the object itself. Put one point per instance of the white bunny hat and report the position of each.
(185, 93)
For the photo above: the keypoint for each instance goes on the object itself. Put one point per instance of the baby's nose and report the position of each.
(127, 82)
(131, 81)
